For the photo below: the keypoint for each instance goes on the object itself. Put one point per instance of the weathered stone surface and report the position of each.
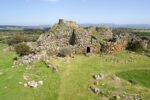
(116, 44)
(138, 43)
(68, 34)
(127, 97)
(32, 45)
(65, 34)
(99, 76)
(103, 32)
(28, 59)
(33, 84)
(95, 89)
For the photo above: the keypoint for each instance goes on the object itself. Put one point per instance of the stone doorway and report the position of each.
(88, 50)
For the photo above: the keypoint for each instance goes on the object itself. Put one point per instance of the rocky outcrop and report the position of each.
(116, 44)
(68, 34)
(102, 32)
(138, 43)
(78, 40)
(105, 32)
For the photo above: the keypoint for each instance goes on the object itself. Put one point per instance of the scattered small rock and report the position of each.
(33, 84)
(99, 76)
(126, 97)
(95, 89)
(116, 97)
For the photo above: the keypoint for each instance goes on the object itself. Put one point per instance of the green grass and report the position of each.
(73, 78)
(6, 58)
(10, 89)
(141, 76)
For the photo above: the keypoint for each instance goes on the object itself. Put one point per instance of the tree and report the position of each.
(72, 40)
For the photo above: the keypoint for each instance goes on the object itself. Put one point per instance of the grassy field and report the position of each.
(141, 77)
(74, 77)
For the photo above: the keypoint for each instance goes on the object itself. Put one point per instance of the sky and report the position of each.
(48, 12)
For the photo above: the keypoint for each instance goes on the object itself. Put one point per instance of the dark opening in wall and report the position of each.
(88, 50)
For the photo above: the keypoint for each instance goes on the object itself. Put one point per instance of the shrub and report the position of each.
(133, 82)
(22, 49)
(64, 52)
(16, 39)
(73, 38)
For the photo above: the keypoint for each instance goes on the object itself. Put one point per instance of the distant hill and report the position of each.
(43, 27)
(13, 27)
(133, 26)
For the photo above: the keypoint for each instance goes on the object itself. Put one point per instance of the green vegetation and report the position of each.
(22, 49)
(139, 32)
(16, 39)
(140, 76)
(72, 40)
(97, 35)
(53, 29)
(6, 58)
(10, 89)
(74, 76)
(6, 36)
(64, 52)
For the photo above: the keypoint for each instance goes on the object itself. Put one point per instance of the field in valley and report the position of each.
(75, 76)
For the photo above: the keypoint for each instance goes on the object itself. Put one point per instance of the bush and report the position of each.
(133, 82)
(16, 39)
(22, 49)
(64, 52)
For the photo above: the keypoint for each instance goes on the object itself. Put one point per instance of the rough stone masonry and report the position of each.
(80, 40)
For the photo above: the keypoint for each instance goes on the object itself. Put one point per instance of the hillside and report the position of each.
(71, 62)
(75, 76)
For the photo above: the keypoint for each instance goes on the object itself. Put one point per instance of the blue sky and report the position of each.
(46, 12)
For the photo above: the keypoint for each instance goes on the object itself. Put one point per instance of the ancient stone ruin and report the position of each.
(69, 36)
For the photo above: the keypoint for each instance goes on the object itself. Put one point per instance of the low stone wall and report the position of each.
(27, 59)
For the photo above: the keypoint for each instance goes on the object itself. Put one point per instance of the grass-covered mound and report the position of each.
(141, 77)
